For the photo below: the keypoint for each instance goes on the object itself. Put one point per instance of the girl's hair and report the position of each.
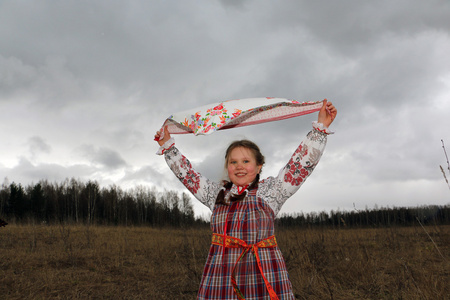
(228, 184)
(245, 144)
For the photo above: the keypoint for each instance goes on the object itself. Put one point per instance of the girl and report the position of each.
(244, 261)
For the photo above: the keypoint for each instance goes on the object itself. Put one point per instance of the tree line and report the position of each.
(377, 217)
(80, 202)
(74, 201)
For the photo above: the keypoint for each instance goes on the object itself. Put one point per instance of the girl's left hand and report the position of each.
(327, 113)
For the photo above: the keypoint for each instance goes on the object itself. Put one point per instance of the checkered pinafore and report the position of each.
(251, 220)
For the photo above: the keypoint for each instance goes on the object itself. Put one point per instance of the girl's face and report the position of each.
(242, 167)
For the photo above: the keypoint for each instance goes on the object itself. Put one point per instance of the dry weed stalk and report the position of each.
(432, 240)
(448, 164)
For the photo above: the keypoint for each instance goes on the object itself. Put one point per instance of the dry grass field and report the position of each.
(78, 262)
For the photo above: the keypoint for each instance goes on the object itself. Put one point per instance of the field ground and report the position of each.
(80, 262)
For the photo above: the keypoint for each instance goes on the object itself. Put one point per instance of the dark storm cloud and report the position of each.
(102, 76)
(104, 157)
(352, 26)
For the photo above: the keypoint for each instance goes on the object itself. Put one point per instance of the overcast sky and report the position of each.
(84, 85)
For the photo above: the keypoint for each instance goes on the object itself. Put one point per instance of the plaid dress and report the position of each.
(251, 220)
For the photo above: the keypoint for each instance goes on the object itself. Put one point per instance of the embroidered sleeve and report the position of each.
(202, 188)
(276, 190)
(167, 145)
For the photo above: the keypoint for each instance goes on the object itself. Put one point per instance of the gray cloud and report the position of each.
(104, 157)
(38, 145)
(26, 172)
(91, 83)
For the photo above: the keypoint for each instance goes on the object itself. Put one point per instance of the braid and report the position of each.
(228, 184)
(221, 196)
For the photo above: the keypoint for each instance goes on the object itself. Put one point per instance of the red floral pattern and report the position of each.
(295, 171)
(192, 179)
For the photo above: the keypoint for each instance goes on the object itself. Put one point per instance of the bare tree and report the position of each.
(92, 194)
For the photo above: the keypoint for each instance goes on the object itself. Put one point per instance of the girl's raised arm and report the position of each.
(202, 188)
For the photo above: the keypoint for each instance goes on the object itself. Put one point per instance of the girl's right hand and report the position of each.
(162, 137)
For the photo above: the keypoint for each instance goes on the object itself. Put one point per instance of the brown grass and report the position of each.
(77, 262)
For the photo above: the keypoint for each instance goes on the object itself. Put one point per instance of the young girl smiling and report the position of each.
(244, 260)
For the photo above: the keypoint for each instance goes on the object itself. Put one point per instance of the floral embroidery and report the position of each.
(301, 163)
(216, 110)
(209, 127)
(237, 112)
(191, 181)
(317, 136)
(296, 173)
(189, 178)
(207, 119)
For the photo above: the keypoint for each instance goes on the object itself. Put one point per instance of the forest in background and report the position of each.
(76, 202)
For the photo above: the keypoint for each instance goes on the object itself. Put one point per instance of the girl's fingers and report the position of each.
(157, 136)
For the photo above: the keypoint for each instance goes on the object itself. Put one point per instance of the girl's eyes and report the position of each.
(235, 162)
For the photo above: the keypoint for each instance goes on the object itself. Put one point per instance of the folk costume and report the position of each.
(244, 261)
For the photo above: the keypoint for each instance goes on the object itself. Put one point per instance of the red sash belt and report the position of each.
(232, 242)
